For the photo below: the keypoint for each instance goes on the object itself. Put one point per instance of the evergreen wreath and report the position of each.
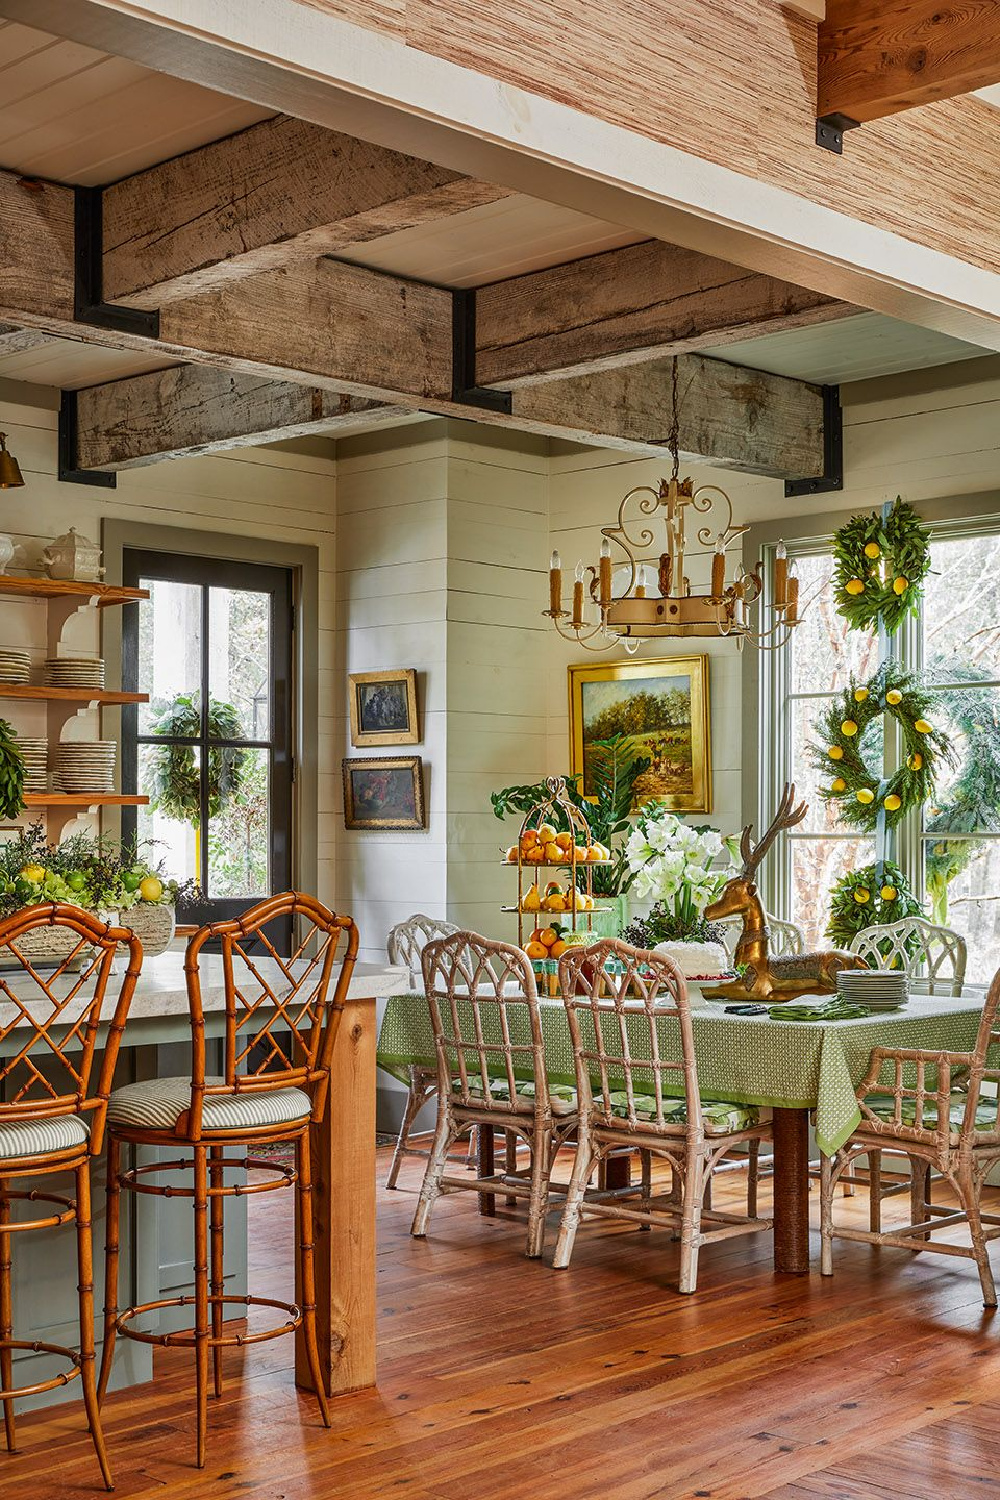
(865, 898)
(858, 793)
(172, 780)
(880, 567)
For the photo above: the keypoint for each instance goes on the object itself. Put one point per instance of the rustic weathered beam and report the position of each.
(194, 409)
(877, 57)
(14, 340)
(278, 193)
(730, 417)
(630, 305)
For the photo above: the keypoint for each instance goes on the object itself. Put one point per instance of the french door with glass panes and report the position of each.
(212, 646)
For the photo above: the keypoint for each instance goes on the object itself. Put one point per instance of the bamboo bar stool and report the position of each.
(52, 1119)
(404, 945)
(264, 1096)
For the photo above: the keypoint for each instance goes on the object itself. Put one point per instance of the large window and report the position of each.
(951, 854)
(212, 749)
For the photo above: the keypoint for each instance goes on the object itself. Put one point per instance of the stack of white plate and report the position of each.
(87, 767)
(879, 989)
(14, 666)
(36, 763)
(74, 671)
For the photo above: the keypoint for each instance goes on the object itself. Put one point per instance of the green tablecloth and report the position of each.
(748, 1059)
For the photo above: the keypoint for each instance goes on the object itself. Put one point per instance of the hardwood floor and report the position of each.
(503, 1380)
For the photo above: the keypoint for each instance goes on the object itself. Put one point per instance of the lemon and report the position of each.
(854, 586)
(872, 549)
(860, 694)
(849, 728)
(862, 896)
(922, 726)
(894, 696)
(839, 785)
(892, 803)
(900, 584)
(151, 889)
(34, 873)
(888, 893)
(865, 795)
(915, 761)
(835, 752)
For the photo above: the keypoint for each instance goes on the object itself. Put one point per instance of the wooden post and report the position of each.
(344, 1191)
(791, 1191)
(486, 1167)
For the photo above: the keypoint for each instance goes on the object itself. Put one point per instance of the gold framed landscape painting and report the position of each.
(663, 707)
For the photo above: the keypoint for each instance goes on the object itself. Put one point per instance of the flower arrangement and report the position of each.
(95, 872)
(673, 863)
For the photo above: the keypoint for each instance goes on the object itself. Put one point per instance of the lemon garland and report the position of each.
(869, 897)
(860, 795)
(880, 567)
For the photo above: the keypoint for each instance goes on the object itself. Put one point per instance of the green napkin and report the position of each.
(833, 1010)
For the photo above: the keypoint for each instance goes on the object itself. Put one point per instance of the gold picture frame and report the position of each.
(675, 733)
(383, 708)
(384, 792)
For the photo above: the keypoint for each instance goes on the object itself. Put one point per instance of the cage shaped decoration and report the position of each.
(571, 850)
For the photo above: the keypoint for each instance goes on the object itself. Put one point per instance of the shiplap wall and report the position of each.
(259, 492)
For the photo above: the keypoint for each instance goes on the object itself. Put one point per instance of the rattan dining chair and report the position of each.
(404, 946)
(53, 1110)
(909, 1103)
(268, 1092)
(784, 938)
(934, 957)
(634, 1093)
(491, 1072)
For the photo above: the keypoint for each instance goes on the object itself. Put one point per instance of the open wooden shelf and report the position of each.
(83, 799)
(68, 694)
(63, 588)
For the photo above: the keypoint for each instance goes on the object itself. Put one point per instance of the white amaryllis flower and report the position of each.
(672, 862)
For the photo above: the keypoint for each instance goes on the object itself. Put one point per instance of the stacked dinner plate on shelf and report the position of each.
(36, 763)
(75, 672)
(86, 767)
(878, 989)
(14, 666)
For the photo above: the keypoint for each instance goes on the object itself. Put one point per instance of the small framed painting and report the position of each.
(384, 708)
(662, 709)
(384, 792)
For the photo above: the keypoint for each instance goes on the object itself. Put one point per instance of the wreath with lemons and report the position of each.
(880, 567)
(858, 793)
(870, 897)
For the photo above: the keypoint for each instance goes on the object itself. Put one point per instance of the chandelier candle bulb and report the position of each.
(578, 597)
(780, 576)
(605, 573)
(640, 588)
(719, 569)
(792, 608)
(555, 583)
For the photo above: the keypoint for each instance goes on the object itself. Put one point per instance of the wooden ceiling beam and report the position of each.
(877, 57)
(194, 409)
(276, 194)
(628, 306)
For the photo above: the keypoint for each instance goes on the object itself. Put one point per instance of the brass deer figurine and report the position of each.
(761, 977)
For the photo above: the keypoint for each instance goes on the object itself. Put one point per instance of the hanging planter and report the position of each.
(172, 780)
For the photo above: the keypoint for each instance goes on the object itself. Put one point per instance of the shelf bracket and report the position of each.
(463, 358)
(68, 470)
(830, 131)
(832, 477)
(89, 305)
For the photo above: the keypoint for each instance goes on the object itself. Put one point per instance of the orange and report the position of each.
(558, 949)
(547, 936)
(536, 950)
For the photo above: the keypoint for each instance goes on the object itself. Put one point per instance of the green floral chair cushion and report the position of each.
(719, 1117)
(884, 1106)
(562, 1096)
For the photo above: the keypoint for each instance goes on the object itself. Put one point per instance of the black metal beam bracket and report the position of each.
(89, 305)
(832, 477)
(68, 469)
(463, 358)
(830, 131)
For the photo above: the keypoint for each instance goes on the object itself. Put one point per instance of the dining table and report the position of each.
(801, 1070)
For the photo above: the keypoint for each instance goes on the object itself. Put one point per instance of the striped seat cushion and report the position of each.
(159, 1104)
(718, 1117)
(884, 1106)
(562, 1096)
(41, 1137)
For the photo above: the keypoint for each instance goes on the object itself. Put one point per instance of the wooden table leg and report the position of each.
(344, 1194)
(791, 1191)
(617, 1171)
(487, 1201)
